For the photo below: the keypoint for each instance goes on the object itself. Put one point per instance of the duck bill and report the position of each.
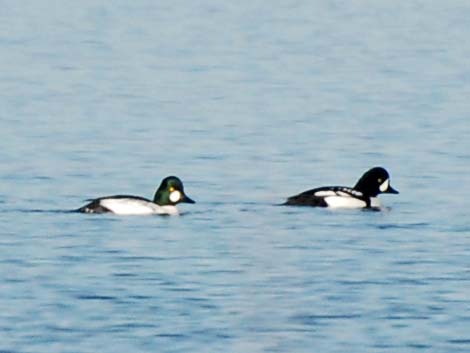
(186, 199)
(391, 190)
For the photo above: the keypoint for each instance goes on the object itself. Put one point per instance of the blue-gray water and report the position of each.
(247, 103)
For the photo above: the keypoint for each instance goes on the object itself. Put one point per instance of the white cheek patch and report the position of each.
(175, 196)
(384, 186)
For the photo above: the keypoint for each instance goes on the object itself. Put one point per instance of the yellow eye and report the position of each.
(172, 189)
(380, 180)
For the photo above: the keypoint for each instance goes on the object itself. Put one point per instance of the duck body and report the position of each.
(334, 197)
(363, 195)
(167, 196)
(127, 205)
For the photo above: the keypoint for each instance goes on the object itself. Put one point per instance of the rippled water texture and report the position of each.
(247, 103)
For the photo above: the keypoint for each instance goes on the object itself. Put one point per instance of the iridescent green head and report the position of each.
(171, 192)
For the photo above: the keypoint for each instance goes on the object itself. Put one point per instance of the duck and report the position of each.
(168, 195)
(364, 194)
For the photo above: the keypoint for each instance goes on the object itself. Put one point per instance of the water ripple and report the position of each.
(95, 297)
(315, 319)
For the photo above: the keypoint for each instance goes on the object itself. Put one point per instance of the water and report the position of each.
(247, 103)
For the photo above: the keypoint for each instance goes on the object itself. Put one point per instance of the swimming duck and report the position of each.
(168, 195)
(363, 195)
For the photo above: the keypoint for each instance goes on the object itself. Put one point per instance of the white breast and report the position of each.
(130, 206)
(344, 202)
(375, 202)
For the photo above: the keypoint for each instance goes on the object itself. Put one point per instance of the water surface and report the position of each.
(247, 103)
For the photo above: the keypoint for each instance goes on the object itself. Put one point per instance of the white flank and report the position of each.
(324, 193)
(344, 202)
(136, 207)
(342, 193)
(384, 186)
(175, 196)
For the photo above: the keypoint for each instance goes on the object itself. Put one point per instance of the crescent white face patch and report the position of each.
(384, 186)
(175, 196)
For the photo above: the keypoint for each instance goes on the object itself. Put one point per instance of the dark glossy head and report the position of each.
(375, 181)
(171, 192)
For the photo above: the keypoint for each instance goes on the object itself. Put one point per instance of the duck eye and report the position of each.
(171, 189)
(380, 180)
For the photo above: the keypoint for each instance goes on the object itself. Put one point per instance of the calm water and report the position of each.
(247, 103)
